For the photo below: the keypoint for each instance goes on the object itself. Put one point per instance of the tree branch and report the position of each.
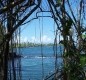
(11, 5)
(71, 11)
(8, 36)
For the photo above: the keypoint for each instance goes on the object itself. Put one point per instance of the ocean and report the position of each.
(33, 66)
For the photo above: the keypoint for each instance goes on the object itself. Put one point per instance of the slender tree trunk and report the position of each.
(6, 61)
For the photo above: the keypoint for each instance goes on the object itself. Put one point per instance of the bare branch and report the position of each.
(11, 5)
(71, 11)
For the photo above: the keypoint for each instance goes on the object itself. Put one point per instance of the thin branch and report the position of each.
(15, 27)
(11, 5)
(55, 8)
(8, 36)
(71, 11)
(35, 18)
(54, 15)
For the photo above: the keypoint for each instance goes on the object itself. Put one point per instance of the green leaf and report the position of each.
(58, 2)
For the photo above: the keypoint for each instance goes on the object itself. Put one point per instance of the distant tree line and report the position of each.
(30, 44)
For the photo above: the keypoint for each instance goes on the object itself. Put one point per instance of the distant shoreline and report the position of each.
(26, 45)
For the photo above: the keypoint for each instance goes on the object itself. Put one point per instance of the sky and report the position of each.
(40, 28)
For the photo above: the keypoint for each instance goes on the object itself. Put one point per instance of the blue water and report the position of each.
(31, 62)
(36, 51)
